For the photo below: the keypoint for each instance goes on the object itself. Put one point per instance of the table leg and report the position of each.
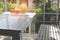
(16, 36)
(13, 33)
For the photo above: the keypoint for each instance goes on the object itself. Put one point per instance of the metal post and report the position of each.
(44, 13)
(30, 5)
(57, 11)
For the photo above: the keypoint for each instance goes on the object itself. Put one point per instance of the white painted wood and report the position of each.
(48, 32)
(16, 22)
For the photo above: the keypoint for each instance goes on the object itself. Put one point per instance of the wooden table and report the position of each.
(13, 25)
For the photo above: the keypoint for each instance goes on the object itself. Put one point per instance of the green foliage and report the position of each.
(11, 6)
(54, 7)
(1, 10)
(37, 7)
(38, 11)
(2, 6)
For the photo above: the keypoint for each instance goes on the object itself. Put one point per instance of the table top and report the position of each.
(48, 32)
(15, 22)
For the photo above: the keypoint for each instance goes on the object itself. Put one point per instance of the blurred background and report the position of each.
(47, 11)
